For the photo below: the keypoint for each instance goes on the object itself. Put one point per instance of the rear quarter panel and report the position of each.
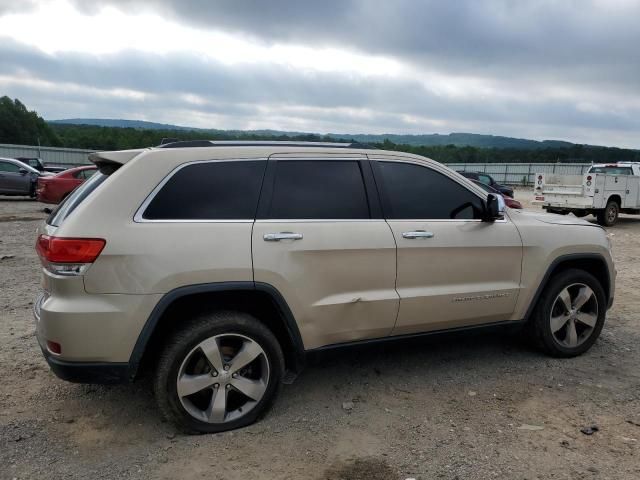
(150, 258)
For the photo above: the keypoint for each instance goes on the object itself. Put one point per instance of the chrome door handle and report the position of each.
(276, 237)
(417, 234)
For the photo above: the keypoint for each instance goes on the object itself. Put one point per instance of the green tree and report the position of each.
(20, 126)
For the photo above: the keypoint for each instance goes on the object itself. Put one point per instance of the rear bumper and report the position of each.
(567, 202)
(88, 372)
(80, 372)
(96, 332)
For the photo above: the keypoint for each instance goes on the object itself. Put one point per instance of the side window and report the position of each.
(416, 192)
(486, 179)
(612, 170)
(9, 167)
(318, 189)
(218, 190)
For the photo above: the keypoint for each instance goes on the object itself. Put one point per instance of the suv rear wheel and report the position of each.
(570, 314)
(222, 371)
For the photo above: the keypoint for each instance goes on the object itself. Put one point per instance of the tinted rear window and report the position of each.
(64, 209)
(222, 190)
(324, 189)
(613, 170)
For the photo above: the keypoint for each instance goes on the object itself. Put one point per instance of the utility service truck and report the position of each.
(605, 191)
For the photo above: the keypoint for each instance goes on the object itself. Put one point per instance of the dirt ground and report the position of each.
(464, 406)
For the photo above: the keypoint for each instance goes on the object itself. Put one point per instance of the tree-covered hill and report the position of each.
(432, 139)
(20, 126)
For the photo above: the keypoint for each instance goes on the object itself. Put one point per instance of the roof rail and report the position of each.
(261, 143)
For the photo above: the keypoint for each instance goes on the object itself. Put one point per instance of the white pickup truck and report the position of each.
(605, 191)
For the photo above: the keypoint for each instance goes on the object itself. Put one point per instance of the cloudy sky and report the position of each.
(564, 69)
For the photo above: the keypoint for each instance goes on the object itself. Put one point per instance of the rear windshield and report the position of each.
(64, 209)
(612, 170)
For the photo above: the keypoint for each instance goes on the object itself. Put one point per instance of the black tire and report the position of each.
(580, 213)
(186, 339)
(609, 216)
(540, 322)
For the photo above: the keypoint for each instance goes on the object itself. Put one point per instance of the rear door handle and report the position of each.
(276, 237)
(417, 234)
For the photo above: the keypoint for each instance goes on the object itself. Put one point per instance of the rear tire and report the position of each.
(609, 216)
(570, 314)
(230, 386)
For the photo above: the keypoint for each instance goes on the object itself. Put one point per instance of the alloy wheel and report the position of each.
(223, 378)
(574, 315)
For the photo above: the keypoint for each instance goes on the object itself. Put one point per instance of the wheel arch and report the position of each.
(259, 299)
(593, 263)
(616, 198)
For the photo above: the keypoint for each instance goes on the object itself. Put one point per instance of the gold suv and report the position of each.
(221, 264)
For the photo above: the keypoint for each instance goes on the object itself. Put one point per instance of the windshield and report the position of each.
(612, 170)
(63, 210)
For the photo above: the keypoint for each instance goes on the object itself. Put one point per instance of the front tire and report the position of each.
(222, 371)
(570, 314)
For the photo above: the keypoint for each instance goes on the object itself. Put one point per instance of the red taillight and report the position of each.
(69, 250)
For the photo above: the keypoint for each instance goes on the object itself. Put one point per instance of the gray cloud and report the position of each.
(556, 69)
(585, 41)
(246, 94)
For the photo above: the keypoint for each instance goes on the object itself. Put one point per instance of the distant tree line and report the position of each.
(20, 126)
(571, 154)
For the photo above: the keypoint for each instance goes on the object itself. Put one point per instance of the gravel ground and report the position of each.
(464, 406)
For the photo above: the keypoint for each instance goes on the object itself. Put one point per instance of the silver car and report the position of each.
(16, 178)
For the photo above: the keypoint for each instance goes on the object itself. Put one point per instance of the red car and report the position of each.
(509, 202)
(55, 188)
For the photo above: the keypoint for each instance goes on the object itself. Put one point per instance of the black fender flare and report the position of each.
(568, 258)
(161, 307)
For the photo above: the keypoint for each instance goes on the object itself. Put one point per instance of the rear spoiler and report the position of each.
(109, 162)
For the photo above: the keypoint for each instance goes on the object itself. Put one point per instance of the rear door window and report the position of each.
(318, 189)
(215, 190)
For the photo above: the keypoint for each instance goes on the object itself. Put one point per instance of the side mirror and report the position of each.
(495, 207)
(23, 171)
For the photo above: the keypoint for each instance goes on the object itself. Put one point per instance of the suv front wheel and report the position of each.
(570, 314)
(220, 372)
